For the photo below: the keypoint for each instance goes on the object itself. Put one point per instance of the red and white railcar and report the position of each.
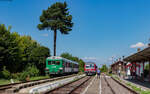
(90, 68)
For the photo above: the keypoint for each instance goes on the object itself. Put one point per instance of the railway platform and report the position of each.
(106, 85)
(93, 87)
(144, 85)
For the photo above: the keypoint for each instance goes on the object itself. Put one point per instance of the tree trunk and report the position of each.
(55, 37)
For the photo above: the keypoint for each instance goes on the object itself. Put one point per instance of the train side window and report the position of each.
(49, 62)
(64, 63)
(70, 64)
(67, 64)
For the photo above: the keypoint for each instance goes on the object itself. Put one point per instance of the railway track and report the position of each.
(112, 86)
(15, 87)
(108, 84)
(70, 88)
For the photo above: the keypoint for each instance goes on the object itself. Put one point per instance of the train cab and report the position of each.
(90, 68)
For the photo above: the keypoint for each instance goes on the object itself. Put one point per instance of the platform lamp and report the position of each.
(124, 64)
(112, 59)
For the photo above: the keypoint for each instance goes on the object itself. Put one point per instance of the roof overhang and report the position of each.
(116, 63)
(141, 56)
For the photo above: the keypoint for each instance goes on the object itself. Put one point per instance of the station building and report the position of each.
(134, 65)
(118, 66)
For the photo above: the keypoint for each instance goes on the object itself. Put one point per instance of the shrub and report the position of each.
(32, 71)
(22, 76)
(5, 73)
(15, 75)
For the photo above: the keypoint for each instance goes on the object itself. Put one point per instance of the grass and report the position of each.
(39, 78)
(138, 89)
(145, 92)
(5, 81)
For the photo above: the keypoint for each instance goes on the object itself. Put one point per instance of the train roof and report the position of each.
(89, 63)
(58, 57)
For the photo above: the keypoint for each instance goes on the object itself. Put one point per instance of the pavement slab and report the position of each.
(93, 87)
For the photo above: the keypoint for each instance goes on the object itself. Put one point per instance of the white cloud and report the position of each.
(45, 35)
(138, 45)
(89, 58)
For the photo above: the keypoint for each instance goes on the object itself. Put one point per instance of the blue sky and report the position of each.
(102, 28)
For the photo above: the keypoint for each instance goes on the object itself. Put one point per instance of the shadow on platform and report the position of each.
(144, 84)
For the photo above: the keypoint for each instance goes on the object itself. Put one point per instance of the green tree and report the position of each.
(17, 53)
(67, 56)
(56, 17)
(39, 55)
(27, 45)
(9, 50)
(73, 58)
(81, 65)
(146, 67)
(104, 68)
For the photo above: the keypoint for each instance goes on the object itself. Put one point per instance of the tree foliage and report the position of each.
(73, 58)
(56, 17)
(146, 67)
(17, 52)
(104, 68)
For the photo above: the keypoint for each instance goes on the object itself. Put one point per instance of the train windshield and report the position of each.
(87, 66)
(53, 62)
(90, 66)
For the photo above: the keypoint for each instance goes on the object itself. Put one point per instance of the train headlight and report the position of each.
(60, 68)
(46, 68)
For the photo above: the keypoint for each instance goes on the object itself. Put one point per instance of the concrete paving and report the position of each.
(94, 87)
(47, 86)
(105, 85)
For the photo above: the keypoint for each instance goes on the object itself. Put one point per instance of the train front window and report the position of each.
(92, 65)
(87, 66)
(57, 62)
(49, 62)
(53, 62)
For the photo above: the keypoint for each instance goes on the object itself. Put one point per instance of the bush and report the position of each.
(22, 76)
(5, 73)
(32, 71)
(15, 75)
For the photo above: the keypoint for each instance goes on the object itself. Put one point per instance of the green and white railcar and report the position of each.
(59, 65)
